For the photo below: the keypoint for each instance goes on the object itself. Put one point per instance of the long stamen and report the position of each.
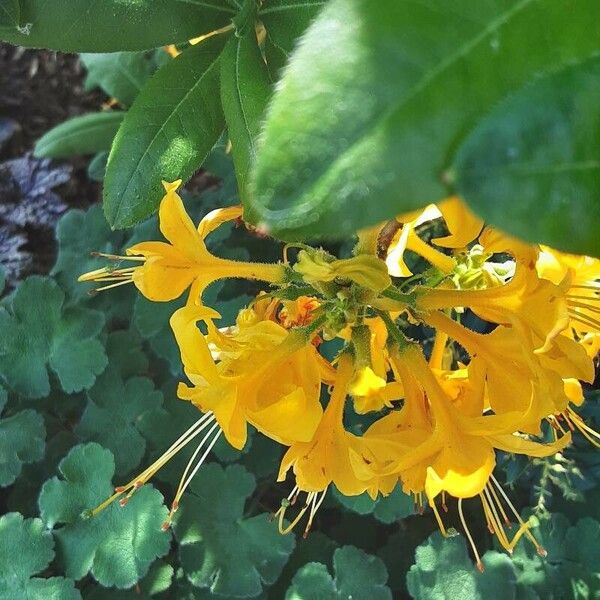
(523, 526)
(183, 482)
(438, 517)
(143, 477)
(109, 287)
(507, 521)
(585, 306)
(469, 536)
(585, 430)
(285, 530)
(313, 511)
(500, 533)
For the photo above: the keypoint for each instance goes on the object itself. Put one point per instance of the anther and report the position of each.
(123, 501)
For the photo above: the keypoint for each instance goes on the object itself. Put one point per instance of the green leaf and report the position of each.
(168, 131)
(158, 580)
(572, 563)
(357, 575)
(376, 99)
(532, 166)
(443, 569)
(245, 91)
(86, 134)
(121, 75)
(22, 438)
(79, 233)
(10, 12)
(220, 549)
(97, 167)
(38, 333)
(388, 509)
(111, 25)
(114, 408)
(285, 21)
(35, 550)
(118, 545)
(162, 426)
(151, 319)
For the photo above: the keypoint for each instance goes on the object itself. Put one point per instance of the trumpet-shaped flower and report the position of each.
(266, 376)
(167, 269)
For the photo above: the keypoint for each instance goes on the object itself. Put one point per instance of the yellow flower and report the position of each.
(582, 293)
(463, 227)
(325, 458)
(535, 307)
(266, 376)
(168, 269)
(516, 378)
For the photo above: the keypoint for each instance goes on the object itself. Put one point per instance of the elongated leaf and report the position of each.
(245, 91)
(10, 12)
(285, 21)
(111, 25)
(167, 133)
(533, 166)
(378, 96)
(87, 134)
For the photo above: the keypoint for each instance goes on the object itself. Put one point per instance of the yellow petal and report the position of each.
(463, 225)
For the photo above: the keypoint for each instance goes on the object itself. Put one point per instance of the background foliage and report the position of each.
(497, 100)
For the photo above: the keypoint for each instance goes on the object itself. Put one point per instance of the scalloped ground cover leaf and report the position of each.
(355, 140)
(572, 567)
(219, 548)
(38, 334)
(79, 233)
(388, 509)
(22, 441)
(357, 575)
(114, 409)
(443, 569)
(118, 545)
(89, 26)
(35, 550)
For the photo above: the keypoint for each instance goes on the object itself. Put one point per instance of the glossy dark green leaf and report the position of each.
(285, 21)
(377, 97)
(121, 75)
(10, 12)
(111, 25)
(87, 134)
(245, 91)
(168, 131)
(532, 167)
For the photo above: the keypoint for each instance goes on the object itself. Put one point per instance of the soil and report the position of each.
(38, 90)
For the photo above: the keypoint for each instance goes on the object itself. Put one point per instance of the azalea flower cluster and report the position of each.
(438, 417)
